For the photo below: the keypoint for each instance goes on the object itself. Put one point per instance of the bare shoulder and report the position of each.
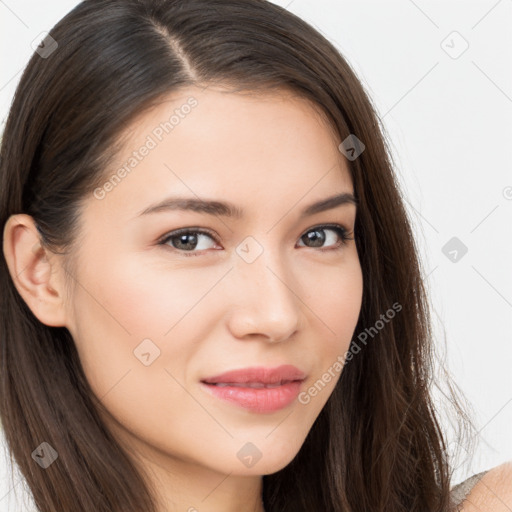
(493, 492)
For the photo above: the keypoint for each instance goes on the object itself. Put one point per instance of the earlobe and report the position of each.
(33, 270)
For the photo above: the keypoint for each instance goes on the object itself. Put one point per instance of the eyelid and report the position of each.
(191, 229)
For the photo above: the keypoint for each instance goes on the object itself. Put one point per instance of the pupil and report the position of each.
(183, 239)
(317, 239)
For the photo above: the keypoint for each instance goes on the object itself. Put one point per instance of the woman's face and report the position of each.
(153, 315)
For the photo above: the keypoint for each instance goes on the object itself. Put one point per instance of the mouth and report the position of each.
(262, 390)
(251, 385)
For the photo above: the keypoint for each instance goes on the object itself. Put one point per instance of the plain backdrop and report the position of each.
(440, 76)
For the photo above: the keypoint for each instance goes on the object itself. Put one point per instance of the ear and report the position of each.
(38, 279)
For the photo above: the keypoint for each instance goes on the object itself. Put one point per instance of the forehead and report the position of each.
(272, 148)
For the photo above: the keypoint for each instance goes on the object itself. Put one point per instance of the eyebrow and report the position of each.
(227, 209)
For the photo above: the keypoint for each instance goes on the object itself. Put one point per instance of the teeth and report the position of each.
(255, 385)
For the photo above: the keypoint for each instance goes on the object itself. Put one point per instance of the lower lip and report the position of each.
(257, 399)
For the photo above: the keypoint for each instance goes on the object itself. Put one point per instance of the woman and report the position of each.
(286, 366)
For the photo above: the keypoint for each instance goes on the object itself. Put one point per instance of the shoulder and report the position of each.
(492, 492)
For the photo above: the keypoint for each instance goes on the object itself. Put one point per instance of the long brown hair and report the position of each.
(377, 445)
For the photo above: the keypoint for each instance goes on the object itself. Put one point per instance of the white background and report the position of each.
(450, 125)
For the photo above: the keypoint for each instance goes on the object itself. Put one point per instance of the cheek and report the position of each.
(335, 303)
(132, 317)
(142, 300)
(333, 299)
(131, 311)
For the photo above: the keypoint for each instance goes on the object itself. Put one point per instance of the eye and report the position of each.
(317, 236)
(187, 241)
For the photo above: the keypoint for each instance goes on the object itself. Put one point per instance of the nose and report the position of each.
(265, 302)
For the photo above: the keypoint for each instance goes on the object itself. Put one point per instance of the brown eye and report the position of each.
(317, 237)
(188, 240)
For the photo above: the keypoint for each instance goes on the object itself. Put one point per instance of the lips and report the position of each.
(258, 376)
(261, 390)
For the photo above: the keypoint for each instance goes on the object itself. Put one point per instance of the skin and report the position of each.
(493, 492)
(271, 155)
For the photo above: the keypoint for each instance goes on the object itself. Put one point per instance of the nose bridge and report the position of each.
(265, 301)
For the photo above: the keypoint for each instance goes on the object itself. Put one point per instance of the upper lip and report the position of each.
(260, 374)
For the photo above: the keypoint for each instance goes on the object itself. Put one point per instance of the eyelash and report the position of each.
(342, 232)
